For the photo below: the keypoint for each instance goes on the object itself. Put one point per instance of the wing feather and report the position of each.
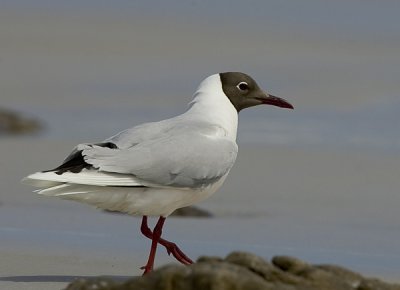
(183, 158)
(89, 177)
(161, 154)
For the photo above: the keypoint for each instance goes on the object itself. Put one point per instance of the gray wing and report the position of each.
(185, 156)
(140, 133)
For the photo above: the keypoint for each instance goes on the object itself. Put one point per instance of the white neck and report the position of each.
(210, 104)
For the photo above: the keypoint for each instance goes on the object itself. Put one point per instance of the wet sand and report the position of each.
(321, 206)
(321, 185)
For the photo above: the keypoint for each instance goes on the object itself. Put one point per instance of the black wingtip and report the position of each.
(75, 162)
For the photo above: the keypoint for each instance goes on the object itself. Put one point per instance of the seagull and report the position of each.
(155, 168)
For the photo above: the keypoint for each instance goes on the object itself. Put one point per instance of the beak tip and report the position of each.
(279, 102)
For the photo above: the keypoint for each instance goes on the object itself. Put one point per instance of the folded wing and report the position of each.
(186, 157)
(171, 156)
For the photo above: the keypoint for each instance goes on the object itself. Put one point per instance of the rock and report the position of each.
(210, 259)
(100, 283)
(191, 211)
(202, 275)
(258, 265)
(243, 271)
(290, 264)
(13, 123)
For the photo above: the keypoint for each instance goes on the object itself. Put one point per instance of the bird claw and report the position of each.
(173, 249)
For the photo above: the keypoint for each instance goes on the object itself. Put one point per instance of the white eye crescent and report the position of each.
(243, 86)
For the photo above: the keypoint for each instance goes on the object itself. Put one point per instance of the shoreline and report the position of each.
(319, 206)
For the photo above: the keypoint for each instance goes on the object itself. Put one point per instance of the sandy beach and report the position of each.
(320, 182)
(46, 243)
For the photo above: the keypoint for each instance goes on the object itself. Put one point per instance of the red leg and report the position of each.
(171, 248)
(155, 239)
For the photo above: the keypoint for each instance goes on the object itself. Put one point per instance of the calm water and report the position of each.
(91, 69)
(374, 128)
(327, 191)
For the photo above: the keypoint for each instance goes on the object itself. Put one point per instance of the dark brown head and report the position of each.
(244, 92)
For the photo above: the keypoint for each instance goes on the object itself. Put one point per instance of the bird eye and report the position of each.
(243, 86)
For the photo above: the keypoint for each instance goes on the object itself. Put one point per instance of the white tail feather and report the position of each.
(89, 177)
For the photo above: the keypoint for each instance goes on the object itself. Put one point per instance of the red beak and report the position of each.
(276, 101)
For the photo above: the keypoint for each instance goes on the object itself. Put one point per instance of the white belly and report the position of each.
(136, 201)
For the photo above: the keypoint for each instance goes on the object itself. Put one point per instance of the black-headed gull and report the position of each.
(155, 168)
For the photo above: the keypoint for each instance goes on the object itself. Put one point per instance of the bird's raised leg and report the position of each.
(171, 248)
(154, 241)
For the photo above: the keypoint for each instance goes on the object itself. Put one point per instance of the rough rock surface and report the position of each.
(242, 271)
(13, 123)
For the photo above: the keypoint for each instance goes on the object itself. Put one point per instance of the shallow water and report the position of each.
(91, 72)
(320, 182)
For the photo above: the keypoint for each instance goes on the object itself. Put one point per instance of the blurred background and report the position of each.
(100, 66)
(322, 181)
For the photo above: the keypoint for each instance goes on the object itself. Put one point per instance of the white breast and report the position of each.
(210, 104)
